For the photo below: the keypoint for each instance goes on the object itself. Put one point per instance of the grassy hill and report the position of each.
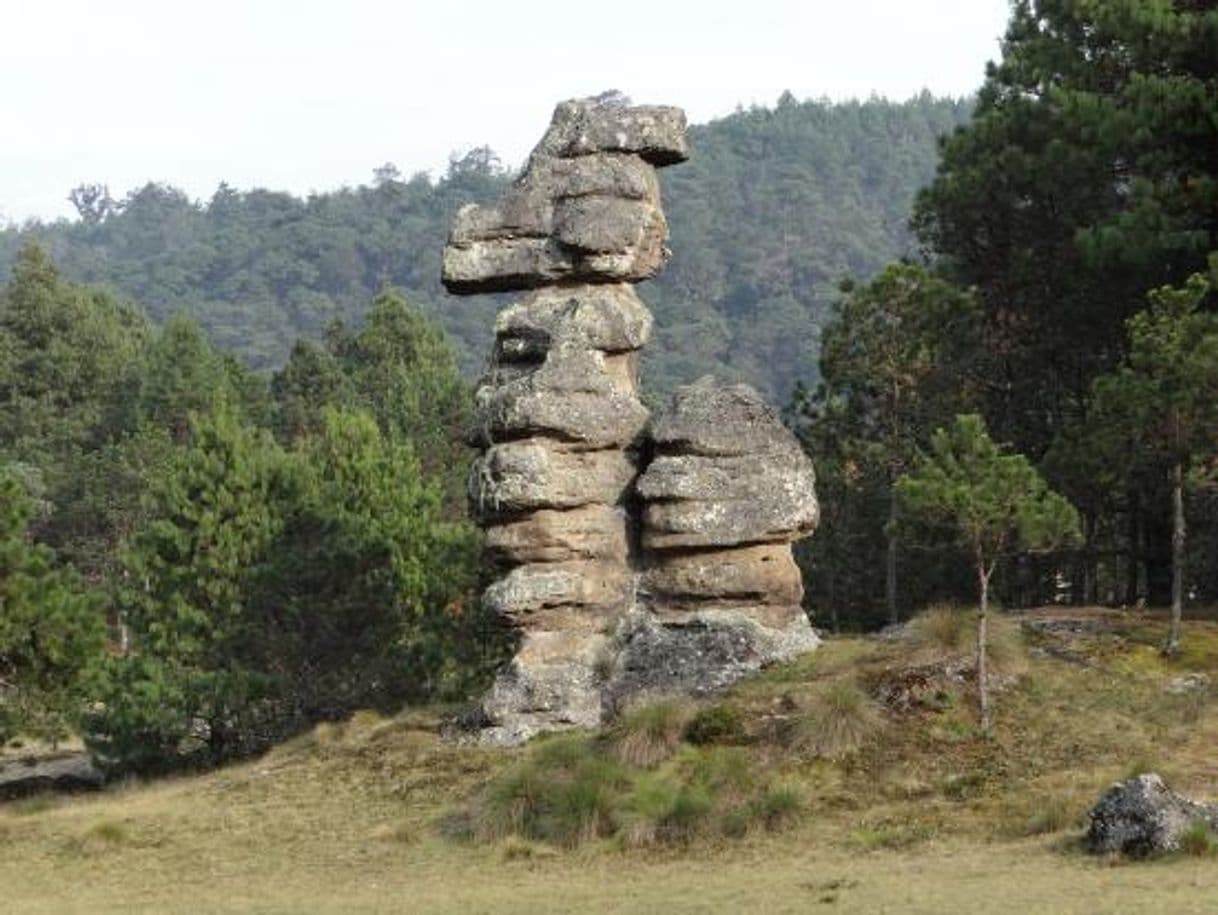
(892, 801)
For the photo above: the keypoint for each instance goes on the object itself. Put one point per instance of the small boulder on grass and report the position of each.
(1142, 816)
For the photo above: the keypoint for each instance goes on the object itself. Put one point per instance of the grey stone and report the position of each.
(694, 501)
(713, 419)
(610, 318)
(758, 576)
(552, 684)
(610, 225)
(714, 593)
(585, 209)
(700, 655)
(65, 772)
(540, 594)
(1142, 816)
(727, 472)
(587, 532)
(528, 475)
(576, 395)
(656, 133)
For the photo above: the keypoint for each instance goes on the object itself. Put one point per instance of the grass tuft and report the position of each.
(648, 734)
(947, 631)
(840, 720)
(562, 792)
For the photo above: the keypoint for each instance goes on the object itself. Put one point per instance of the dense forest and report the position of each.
(775, 207)
(231, 429)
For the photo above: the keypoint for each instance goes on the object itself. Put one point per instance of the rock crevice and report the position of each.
(634, 555)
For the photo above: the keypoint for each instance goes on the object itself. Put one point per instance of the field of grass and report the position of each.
(903, 806)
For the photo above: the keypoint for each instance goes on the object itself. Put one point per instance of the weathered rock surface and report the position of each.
(594, 531)
(765, 574)
(656, 133)
(535, 474)
(727, 492)
(1142, 816)
(681, 581)
(68, 772)
(726, 472)
(532, 592)
(700, 655)
(609, 318)
(586, 208)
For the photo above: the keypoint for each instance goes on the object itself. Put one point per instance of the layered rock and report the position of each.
(585, 209)
(726, 493)
(557, 418)
(713, 591)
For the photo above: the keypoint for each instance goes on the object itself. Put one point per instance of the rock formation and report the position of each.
(1142, 816)
(681, 579)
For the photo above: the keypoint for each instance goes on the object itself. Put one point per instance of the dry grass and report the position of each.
(651, 732)
(840, 721)
(358, 818)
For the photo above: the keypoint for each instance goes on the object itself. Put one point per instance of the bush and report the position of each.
(778, 806)
(715, 724)
(838, 723)
(563, 792)
(660, 809)
(1199, 840)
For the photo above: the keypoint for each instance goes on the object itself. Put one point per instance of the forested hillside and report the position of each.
(775, 207)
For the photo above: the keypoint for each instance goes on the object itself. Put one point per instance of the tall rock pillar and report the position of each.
(558, 420)
(622, 579)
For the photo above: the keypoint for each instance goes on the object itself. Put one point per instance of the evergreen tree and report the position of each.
(893, 364)
(1167, 396)
(51, 631)
(995, 502)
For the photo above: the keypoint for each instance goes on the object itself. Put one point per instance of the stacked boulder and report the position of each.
(726, 492)
(563, 436)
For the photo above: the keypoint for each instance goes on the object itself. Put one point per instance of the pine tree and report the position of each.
(995, 502)
(51, 630)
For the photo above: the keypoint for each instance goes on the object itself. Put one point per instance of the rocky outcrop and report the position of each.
(679, 581)
(725, 494)
(1142, 816)
(62, 772)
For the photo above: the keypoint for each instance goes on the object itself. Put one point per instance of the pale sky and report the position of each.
(303, 95)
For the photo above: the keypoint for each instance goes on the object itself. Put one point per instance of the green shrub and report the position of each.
(715, 724)
(660, 809)
(569, 790)
(727, 773)
(776, 807)
(562, 792)
(1198, 840)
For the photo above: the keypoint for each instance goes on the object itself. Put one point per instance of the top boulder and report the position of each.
(581, 127)
(585, 210)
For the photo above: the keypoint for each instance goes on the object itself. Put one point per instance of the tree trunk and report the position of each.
(983, 686)
(1134, 554)
(1178, 532)
(890, 568)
